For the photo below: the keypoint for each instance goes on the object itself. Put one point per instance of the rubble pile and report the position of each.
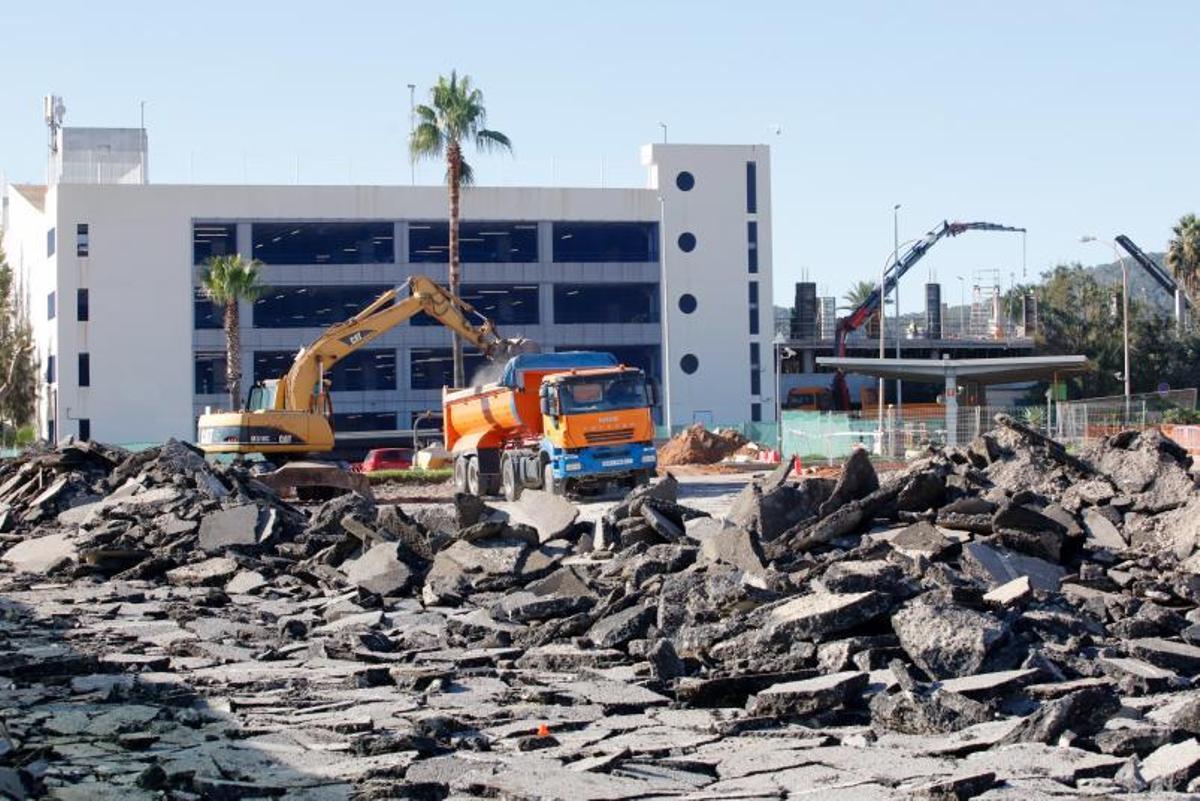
(1003, 620)
(697, 445)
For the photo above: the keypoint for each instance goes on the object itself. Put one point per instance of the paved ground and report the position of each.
(708, 493)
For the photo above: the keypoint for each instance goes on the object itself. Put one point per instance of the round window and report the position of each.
(687, 242)
(685, 181)
(687, 303)
(689, 364)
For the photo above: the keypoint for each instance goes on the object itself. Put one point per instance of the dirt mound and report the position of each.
(698, 445)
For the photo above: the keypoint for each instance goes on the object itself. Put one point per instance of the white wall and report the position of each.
(716, 273)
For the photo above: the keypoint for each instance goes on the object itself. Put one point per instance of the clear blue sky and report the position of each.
(1065, 117)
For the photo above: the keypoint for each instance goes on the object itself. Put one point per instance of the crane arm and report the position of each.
(303, 384)
(1161, 276)
(902, 264)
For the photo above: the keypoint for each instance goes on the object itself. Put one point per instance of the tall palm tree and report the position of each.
(226, 281)
(1183, 253)
(455, 115)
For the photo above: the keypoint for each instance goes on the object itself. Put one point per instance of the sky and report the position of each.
(1063, 117)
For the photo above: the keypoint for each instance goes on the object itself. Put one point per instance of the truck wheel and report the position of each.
(548, 483)
(473, 487)
(460, 474)
(509, 481)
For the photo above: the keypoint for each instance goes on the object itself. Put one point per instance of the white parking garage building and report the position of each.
(674, 278)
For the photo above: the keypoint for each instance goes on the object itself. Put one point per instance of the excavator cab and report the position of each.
(262, 396)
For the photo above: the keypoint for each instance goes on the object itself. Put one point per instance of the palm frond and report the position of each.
(489, 141)
(227, 279)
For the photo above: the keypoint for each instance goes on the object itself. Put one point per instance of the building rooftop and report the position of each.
(34, 193)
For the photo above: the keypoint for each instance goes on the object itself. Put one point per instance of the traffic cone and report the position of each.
(797, 464)
(543, 730)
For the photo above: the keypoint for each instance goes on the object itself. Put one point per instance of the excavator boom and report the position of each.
(302, 387)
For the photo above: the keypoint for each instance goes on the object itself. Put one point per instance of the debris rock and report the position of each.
(944, 640)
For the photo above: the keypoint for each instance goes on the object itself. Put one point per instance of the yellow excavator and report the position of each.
(291, 417)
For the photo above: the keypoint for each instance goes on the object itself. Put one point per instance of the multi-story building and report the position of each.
(674, 278)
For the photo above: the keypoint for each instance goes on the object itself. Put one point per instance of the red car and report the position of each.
(387, 459)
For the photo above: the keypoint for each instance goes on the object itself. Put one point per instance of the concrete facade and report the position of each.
(141, 338)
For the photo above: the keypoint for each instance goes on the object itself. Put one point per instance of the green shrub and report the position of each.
(412, 476)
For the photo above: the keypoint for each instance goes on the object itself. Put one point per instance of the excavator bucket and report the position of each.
(505, 349)
(315, 481)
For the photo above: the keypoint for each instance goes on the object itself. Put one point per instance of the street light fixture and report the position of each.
(1124, 308)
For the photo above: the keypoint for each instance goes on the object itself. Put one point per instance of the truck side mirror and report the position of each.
(544, 404)
(652, 391)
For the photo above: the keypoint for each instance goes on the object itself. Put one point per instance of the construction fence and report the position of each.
(908, 432)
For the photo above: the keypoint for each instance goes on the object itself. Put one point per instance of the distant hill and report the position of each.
(1142, 287)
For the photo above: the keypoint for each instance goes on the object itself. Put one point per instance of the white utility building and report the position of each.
(674, 278)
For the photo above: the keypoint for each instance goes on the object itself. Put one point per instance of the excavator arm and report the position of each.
(903, 263)
(1160, 276)
(303, 388)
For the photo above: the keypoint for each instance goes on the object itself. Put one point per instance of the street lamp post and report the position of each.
(412, 129)
(665, 307)
(882, 343)
(1124, 311)
(899, 327)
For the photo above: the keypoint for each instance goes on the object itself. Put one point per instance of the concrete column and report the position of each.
(245, 245)
(545, 242)
(951, 397)
(246, 318)
(546, 313)
(400, 242)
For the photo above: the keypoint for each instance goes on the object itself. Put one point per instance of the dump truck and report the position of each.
(562, 422)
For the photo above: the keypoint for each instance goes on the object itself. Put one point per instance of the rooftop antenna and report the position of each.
(53, 111)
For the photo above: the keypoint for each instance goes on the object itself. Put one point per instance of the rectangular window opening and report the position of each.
(85, 428)
(51, 372)
(478, 242)
(213, 239)
(81, 240)
(210, 373)
(751, 187)
(756, 413)
(605, 241)
(366, 242)
(51, 306)
(50, 236)
(752, 245)
(605, 303)
(85, 370)
(82, 312)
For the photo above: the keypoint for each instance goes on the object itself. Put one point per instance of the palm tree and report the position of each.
(226, 281)
(858, 292)
(1183, 253)
(454, 116)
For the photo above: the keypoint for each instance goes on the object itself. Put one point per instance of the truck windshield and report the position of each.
(604, 393)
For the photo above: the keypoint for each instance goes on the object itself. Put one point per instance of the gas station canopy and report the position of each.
(979, 371)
